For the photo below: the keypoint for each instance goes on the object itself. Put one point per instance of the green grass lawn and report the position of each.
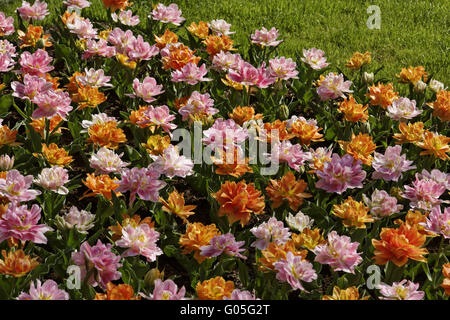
(413, 32)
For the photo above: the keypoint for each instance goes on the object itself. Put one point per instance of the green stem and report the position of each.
(441, 246)
(436, 273)
(21, 112)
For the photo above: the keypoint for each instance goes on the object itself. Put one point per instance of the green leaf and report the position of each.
(36, 140)
(6, 102)
(67, 54)
(426, 269)
(243, 273)
(330, 134)
(132, 153)
(170, 250)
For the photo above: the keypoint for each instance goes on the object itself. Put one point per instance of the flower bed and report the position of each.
(150, 163)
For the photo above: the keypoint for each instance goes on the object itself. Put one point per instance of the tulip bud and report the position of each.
(152, 275)
(368, 77)
(104, 34)
(284, 112)
(4, 203)
(278, 85)
(397, 193)
(436, 86)
(6, 163)
(41, 43)
(80, 44)
(420, 87)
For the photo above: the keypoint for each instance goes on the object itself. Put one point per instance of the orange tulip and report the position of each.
(288, 188)
(360, 147)
(106, 135)
(102, 184)
(350, 293)
(353, 111)
(56, 156)
(17, 263)
(409, 132)
(399, 245)
(117, 292)
(382, 95)
(200, 30)
(238, 200)
(175, 205)
(353, 213)
(441, 107)
(216, 44)
(197, 235)
(435, 144)
(358, 60)
(214, 289)
(274, 253)
(412, 75)
(244, 114)
(165, 39)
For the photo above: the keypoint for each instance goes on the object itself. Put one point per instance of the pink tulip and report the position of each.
(47, 291)
(142, 182)
(294, 269)
(439, 222)
(333, 87)
(282, 68)
(166, 290)
(138, 49)
(404, 290)
(36, 64)
(340, 174)
(270, 231)
(140, 240)
(32, 86)
(99, 47)
(126, 18)
(22, 224)
(339, 252)
(6, 25)
(391, 165)
(225, 243)
(99, 261)
(37, 11)
(169, 14)
(160, 117)
(51, 103)
(172, 164)
(266, 38)
(191, 74)
(315, 58)
(147, 89)
(250, 76)
(15, 187)
(198, 104)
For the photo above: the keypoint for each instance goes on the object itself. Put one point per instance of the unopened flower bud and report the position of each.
(397, 193)
(41, 43)
(152, 275)
(436, 86)
(6, 163)
(368, 77)
(80, 44)
(284, 112)
(420, 87)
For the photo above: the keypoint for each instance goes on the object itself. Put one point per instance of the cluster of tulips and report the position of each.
(134, 154)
